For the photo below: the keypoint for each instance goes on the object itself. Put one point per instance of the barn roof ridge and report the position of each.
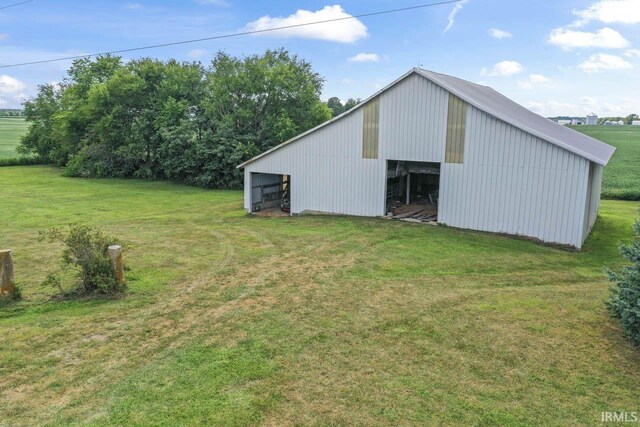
(495, 104)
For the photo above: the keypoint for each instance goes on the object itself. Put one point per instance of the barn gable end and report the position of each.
(493, 175)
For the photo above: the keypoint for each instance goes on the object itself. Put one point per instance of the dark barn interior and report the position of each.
(412, 190)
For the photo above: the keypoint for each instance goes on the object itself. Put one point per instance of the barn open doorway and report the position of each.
(270, 193)
(413, 190)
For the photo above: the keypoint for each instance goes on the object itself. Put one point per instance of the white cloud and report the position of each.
(452, 16)
(365, 57)
(603, 38)
(133, 6)
(196, 53)
(345, 31)
(614, 107)
(632, 53)
(10, 85)
(499, 34)
(553, 108)
(504, 68)
(534, 80)
(588, 101)
(603, 61)
(610, 12)
(538, 78)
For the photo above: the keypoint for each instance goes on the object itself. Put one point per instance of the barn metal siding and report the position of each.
(513, 182)
(413, 121)
(328, 172)
(593, 198)
(247, 190)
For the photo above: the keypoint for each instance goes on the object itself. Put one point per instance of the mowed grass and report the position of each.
(621, 178)
(11, 129)
(236, 320)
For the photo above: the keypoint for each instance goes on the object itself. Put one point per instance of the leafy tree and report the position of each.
(43, 113)
(351, 103)
(630, 118)
(624, 302)
(182, 121)
(335, 105)
(338, 108)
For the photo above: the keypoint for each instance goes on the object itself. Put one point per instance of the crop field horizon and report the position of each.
(621, 177)
(11, 129)
(233, 319)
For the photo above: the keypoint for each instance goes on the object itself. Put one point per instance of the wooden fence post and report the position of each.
(115, 253)
(7, 286)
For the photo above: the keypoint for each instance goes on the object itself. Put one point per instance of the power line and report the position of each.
(15, 4)
(226, 36)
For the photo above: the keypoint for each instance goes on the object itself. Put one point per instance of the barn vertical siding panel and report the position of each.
(247, 190)
(413, 118)
(328, 171)
(592, 199)
(512, 182)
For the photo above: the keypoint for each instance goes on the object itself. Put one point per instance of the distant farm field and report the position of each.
(309, 320)
(621, 179)
(10, 132)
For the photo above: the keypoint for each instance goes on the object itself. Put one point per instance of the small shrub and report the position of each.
(624, 302)
(86, 252)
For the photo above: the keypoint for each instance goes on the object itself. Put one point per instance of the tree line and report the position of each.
(11, 112)
(182, 121)
(626, 120)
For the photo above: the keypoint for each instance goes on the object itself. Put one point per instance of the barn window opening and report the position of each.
(413, 190)
(270, 194)
(456, 124)
(371, 129)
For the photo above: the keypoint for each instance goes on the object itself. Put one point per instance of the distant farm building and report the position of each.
(431, 147)
(564, 122)
(635, 123)
(592, 119)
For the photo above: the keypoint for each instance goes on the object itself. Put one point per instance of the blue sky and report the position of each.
(555, 57)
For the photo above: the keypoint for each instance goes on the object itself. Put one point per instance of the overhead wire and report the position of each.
(15, 4)
(226, 36)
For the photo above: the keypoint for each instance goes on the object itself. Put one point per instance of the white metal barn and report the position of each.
(476, 158)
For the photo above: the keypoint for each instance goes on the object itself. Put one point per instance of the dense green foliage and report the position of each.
(181, 121)
(625, 293)
(621, 176)
(86, 252)
(338, 108)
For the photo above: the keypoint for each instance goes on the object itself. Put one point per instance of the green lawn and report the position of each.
(235, 320)
(10, 132)
(621, 179)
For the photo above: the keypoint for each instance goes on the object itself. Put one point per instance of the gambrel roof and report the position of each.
(499, 106)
